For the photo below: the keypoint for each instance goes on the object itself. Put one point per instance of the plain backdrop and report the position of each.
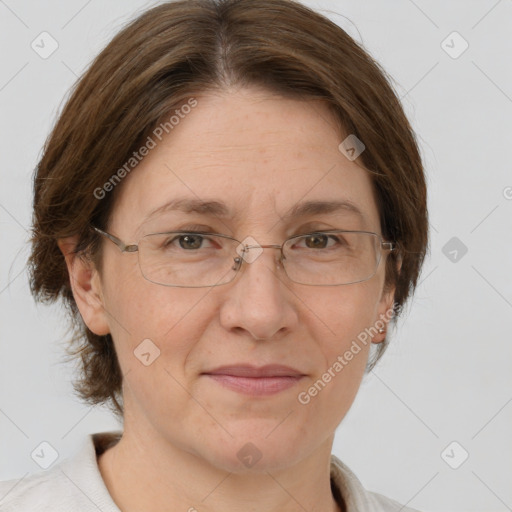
(431, 425)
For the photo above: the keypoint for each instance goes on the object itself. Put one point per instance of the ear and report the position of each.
(86, 286)
(384, 315)
(385, 310)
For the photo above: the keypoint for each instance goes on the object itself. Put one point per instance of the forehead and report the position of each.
(247, 155)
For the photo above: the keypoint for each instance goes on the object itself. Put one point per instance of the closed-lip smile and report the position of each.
(256, 380)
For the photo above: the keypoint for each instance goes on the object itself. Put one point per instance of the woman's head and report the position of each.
(248, 103)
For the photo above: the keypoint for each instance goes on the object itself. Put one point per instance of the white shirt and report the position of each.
(76, 485)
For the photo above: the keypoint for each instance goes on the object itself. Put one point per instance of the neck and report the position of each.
(145, 472)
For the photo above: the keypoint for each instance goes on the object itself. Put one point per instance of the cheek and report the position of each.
(341, 320)
(330, 392)
(163, 319)
(157, 330)
(343, 313)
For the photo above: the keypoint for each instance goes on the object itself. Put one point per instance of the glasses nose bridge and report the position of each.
(246, 248)
(267, 246)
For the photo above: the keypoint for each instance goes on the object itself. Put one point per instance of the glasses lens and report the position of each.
(187, 259)
(197, 259)
(332, 258)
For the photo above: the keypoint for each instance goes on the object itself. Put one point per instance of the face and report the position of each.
(260, 155)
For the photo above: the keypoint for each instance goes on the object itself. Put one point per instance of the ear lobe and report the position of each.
(385, 313)
(386, 308)
(86, 286)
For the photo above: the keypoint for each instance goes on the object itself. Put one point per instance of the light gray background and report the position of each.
(447, 376)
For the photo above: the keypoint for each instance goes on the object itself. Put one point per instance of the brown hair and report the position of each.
(180, 49)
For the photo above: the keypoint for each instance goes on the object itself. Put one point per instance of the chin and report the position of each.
(257, 448)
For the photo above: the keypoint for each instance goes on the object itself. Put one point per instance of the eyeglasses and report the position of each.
(193, 259)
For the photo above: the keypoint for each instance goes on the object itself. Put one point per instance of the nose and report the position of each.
(259, 301)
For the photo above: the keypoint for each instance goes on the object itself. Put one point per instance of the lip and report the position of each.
(248, 370)
(256, 381)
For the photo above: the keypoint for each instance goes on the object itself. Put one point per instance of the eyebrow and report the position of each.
(219, 209)
(323, 207)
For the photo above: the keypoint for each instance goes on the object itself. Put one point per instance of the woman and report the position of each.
(233, 206)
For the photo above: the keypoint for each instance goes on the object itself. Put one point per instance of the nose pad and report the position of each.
(237, 263)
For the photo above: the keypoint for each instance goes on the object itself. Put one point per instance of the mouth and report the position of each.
(256, 381)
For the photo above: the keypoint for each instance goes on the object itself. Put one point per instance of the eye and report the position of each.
(319, 240)
(190, 241)
(187, 241)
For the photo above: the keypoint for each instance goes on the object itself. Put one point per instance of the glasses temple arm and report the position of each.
(122, 246)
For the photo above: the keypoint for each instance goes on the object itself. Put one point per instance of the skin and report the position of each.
(261, 154)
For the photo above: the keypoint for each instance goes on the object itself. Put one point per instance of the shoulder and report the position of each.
(384, 504)
(73, 484)
(41, 491)
(356, 497)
